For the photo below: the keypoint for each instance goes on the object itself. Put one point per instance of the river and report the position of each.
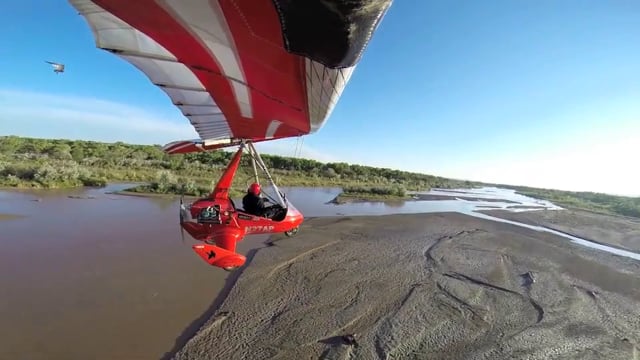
(90, 274)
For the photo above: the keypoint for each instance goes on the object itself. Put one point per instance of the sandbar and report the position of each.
(425, 286)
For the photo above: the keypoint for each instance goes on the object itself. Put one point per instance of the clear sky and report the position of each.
(540, 93)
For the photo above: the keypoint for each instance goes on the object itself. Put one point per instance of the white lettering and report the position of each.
(258, 228)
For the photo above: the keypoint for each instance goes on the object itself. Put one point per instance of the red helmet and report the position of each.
(254, 189)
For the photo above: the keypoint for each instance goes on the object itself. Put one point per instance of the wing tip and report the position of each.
(198, 145)
(181, 146)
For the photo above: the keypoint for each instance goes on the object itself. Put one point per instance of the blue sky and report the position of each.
(543, 93)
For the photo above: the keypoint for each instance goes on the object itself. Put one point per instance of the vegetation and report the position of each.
(371, 193)
(596, 202)
(28, 162)
(44, 163)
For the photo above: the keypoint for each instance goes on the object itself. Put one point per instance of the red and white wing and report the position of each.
(241, 69)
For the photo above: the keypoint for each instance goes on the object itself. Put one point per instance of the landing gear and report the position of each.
(292, 232)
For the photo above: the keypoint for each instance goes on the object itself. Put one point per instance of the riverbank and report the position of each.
(429, 286)
(363, 197)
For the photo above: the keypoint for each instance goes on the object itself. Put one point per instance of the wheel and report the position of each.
(230, 268)
(291, 232)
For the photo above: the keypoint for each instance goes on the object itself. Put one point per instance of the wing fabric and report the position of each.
(241, 69)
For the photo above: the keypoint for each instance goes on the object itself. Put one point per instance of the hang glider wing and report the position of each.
(241, 69)
(57, 68)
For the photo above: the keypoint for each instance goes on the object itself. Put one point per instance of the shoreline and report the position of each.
(338, 200)
(149, 194)
(343, 198)
(461, 197)
(348, 198)
(213, 310)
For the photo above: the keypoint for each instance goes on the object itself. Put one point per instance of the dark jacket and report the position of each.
(253, 204)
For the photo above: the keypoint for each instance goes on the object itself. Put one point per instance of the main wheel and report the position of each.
(291, 232)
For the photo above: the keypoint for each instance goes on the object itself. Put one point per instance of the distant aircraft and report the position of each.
(57, 68)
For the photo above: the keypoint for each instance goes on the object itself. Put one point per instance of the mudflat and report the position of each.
(425, 286)
(617, 231)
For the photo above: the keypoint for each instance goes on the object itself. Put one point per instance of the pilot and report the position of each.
(253, 203)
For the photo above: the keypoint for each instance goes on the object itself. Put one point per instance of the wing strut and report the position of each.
(255, 169)
(256, 158)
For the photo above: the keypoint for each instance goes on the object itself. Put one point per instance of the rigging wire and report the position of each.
(297, 151)
(258, 164)
(300, 148)
(295, 148)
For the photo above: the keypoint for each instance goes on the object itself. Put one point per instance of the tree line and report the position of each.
(33, 162)
(60, 162)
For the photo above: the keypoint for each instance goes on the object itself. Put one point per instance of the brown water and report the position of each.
(103, 278)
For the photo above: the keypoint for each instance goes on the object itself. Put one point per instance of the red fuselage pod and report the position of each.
(212, 216)
(216, 220)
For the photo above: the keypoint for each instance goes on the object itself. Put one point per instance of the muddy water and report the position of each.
(102, 278)
(91, 275)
